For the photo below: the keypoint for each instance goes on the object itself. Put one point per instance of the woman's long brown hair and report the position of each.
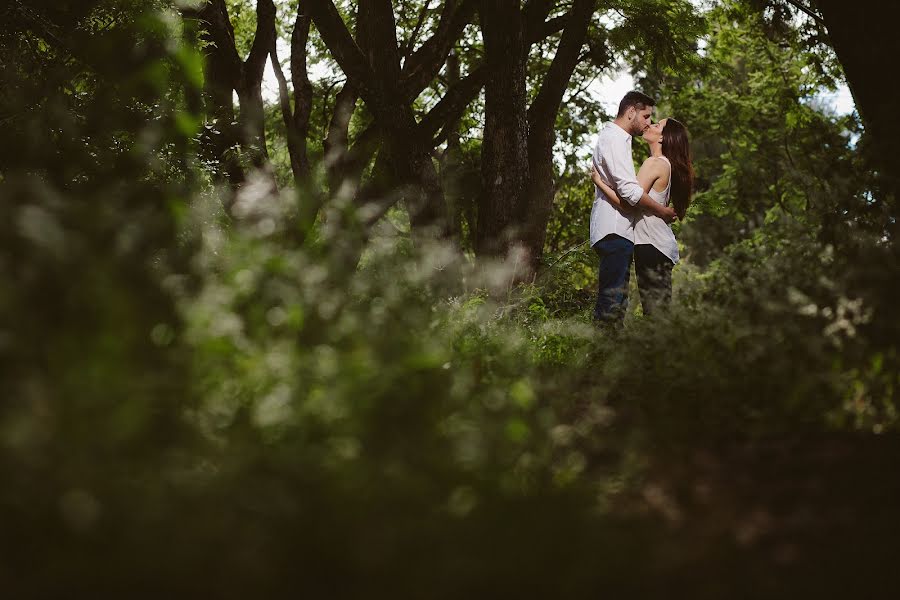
(676, 147)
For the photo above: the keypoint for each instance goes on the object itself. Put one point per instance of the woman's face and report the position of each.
(654, 133)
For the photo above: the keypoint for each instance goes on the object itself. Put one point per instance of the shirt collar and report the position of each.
(619, 131)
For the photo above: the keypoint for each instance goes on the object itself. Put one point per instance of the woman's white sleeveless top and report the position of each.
(650, 229)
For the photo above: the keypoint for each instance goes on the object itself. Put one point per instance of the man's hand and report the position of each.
(650, 206)
(666, 213)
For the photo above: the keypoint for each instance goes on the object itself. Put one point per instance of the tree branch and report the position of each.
(542, 113)
(296, 121)
(420, 20)
(378, 19)
(336, 141)
(340, 43)
(454, 102)
(426, 62)
(221, 51)
(539, 31)
(534, 17)
(263, 40)
(303, 92)
(284, 96)
(807, 11)
(362, 151)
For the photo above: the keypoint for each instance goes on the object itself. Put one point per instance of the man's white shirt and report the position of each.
(612, 159)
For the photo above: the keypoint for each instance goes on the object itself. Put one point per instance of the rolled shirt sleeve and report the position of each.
(621, 170)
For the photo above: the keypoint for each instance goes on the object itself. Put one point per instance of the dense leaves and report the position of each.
(202, 400)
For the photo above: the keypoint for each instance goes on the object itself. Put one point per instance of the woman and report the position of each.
(667, 176)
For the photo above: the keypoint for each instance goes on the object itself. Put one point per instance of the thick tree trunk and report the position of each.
(221, 75)
(225, 73)
(388, 91)
(504, 153)
(863, 39)
(337, 141)
(541, 188)
(303, 94)
(452, 159)
(249, 90)
(296, 119)
(251, 121)
(407, 157)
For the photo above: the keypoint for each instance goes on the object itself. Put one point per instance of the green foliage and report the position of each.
(758, 137)
(657, 34)
(198, 405)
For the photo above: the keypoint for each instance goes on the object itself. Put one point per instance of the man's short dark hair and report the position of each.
(638, 100)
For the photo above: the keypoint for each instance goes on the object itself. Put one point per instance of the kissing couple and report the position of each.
(632, 213)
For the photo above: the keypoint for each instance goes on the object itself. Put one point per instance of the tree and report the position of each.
(226, 73)
(861, 56)
(404, 163)
(296, 118)
(762, 145)
(542, 121)
(527, 61)
(518, 166)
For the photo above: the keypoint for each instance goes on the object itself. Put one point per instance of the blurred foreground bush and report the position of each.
(196, 406)
(415, 426)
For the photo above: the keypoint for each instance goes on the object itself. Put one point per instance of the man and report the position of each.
(612, 231)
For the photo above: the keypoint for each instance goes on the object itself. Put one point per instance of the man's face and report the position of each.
(641, 120)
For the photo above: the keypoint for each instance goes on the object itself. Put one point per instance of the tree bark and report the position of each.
(249, 90)
(296, 118)
(221, 75)
(541, 188)
(863, 39)
(504, 150)
(405, 155)
(452, 158)
(337, 141)
(224, 74)
(303, 91)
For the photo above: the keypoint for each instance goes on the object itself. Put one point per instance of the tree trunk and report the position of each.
(409, 168)
(389, 91)
(504, 153)
(303, 94)
(221, 75)
(249, 90)
(425, 200)
(541, 188)
(863, 39)
(225, 73)
(337, 142)
(452, 159)
(251, 121)
(296, 119)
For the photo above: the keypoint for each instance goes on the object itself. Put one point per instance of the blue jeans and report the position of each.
(615, 269)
